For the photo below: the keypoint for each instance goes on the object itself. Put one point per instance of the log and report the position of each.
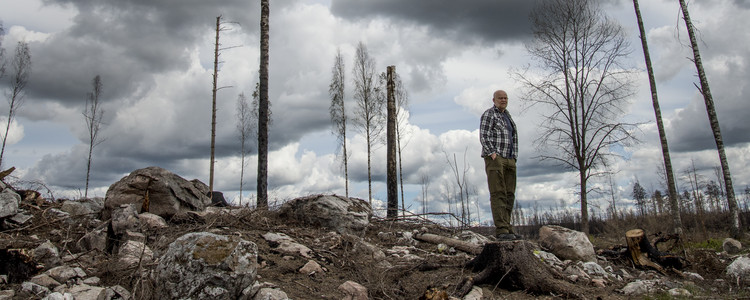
(513, 266)
(458, 244)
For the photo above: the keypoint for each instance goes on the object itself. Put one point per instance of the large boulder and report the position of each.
(204, 265)
(566, 243)
(345, 215)
(167, 193)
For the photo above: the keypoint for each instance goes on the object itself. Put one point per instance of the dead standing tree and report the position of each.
(583, 87)
(93, 114)
(338, 111)
(391, 177)
(263, 111)
(19, 78)
(245, 127)
(671, 184)
(714, 121)
(214, 90)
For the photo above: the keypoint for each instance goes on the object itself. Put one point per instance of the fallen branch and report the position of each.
(458, 244)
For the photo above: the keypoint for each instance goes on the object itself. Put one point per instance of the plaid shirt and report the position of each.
(496, 135)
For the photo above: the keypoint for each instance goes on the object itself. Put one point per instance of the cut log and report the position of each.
(7, 172)
(513, 266)
(458, 244)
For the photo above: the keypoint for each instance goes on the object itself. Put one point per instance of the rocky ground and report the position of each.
(64, 248)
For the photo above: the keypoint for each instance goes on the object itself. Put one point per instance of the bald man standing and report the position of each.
(499, 139)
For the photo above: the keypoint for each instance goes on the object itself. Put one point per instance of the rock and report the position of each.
(34, 289)
(124, 217)
(95, 239)
(345, 215)
(311, 267)
(566, 243)
(151, 223)
(64, 273)
(20, 218)
(693, 276)
(167, 193)
(9, 201)
(115, 292)
(599, 282)
(638, 287)
(59, 296)
(594, 269)
(95, 281)
(45, 281)
(206, 265)
(7, 294)
(353, 291)
(286, 245)
(739, 269)
(47, 254)
(83, 208)
(680, 292)
(731, 246)
(132, 253)
(82, 291)
(472, 237)
(476, 293)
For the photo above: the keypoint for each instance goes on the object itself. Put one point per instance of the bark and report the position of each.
(714, 121)
(392, 184)
(213, 109)
(262, 186)
(671, 185)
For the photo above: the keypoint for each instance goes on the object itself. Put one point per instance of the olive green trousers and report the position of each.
(501, 180)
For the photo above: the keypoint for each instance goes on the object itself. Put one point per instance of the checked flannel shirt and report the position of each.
(497, 135)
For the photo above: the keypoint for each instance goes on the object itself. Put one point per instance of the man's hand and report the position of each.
(493, 155)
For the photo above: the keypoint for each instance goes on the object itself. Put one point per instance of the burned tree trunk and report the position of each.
(643, 254)
(512, 265)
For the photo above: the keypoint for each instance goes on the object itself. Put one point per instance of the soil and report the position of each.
(434, 275)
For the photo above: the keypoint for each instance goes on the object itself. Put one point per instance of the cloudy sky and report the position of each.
(155, 59)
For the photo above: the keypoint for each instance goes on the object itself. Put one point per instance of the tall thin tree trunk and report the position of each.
(714, 121)
(400, 168)
(263, 108)
(213, 110)
(671, 186)
(392, 184)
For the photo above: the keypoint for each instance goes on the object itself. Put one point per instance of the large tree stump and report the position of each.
(512, 265)
(644, 255)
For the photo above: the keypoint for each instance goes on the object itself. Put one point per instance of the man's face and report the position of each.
(500, 99)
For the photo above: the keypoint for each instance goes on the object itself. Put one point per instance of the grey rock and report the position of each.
(739, 269)
(345, 215)
(124, 218)
(47, 254)
(167, 192)
(731, 246)
(205, 265)
(132, 253)
(353, 290)
(566, 243)
(35, 289)
(9, 201)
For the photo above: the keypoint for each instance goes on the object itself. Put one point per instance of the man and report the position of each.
(499, 138)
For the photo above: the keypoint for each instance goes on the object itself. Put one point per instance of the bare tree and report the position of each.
(2, 51)
(424, 180)
(714, 121)
(671, 184)
(263, 112)
(93, 114)
(639, 195)
(217, 52)
(338, 111)
(402, 103)
(19, 78)
(245, 127)
(370, 104)
(584, 87)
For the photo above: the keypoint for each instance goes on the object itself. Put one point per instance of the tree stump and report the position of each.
(644, 255)
(513, 266)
